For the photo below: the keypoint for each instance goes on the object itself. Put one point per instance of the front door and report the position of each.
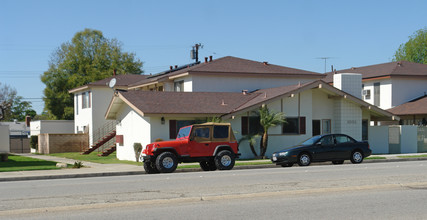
(316, 127)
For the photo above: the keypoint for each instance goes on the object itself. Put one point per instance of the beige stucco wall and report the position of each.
(60, 143)
(4, 139)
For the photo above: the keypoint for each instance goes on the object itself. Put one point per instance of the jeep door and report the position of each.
(200, 142)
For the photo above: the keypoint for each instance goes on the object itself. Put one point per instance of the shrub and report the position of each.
(34, 142)
(137, 148)
(78, 164)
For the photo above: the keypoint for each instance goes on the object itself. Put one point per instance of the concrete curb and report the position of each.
(142, 172)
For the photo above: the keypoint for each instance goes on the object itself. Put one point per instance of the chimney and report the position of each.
(27, 120)
(114, 72)
(171, 67)
(210, 58)
(245, 92)
(206, 59)
(265, 63)
(350, 83)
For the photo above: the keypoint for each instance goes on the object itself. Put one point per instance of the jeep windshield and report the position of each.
(184, 132)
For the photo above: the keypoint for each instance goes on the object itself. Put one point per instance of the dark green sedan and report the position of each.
(329, 147)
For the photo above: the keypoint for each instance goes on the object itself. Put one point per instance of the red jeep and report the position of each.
(213, 145)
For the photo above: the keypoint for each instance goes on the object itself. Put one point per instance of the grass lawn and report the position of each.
(375, 158)
(414, 156)
(19, 163)
(93, 157)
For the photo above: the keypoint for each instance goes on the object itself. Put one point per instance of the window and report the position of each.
(328, 140)
(326, 126)
(251, 125)
(175, 125)
(220, 132)
(291, 126)
(179, 86)
(202, 132)
(294, 126)
(86, 100)
(377, 94)
(367, 94)
(343, 139)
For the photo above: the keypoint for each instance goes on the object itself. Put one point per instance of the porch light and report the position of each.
(162, 120)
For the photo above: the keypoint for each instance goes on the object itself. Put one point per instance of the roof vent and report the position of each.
(171, 67)
(206, 59)
(399, 63)
(265, 63)
(353, 68)
(223, 103)
(245, 92)
(176, 66)
(210, 58)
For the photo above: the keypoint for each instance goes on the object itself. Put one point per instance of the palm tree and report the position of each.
(252, 142)
(268, 120)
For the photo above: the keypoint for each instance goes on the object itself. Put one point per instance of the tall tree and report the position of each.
(415, 50)
(11, 105)
(87, 58)
(267, 120)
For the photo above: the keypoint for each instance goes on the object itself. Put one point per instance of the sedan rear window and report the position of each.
(343, 139)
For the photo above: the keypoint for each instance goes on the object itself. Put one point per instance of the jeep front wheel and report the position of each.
(150, 168)
(224, 160)
(166, 162)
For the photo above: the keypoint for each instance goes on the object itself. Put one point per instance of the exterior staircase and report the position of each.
(108, 151)
(104, 139)
(100, 142)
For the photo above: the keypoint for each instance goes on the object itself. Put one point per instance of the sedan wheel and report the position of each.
(356, 157)
(304, 159)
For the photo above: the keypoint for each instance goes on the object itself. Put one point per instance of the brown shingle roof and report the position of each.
(414, 107)
(400, 68)
(218, 103)
(150, 102)
(234, 65)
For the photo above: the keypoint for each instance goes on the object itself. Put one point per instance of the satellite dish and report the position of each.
(112, 83)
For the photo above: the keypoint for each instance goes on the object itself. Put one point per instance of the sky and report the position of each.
(161, 33)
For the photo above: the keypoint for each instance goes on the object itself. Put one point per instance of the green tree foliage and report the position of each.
(252, 139)
(11, 105)
(87, 58)
(415, 50)
(267, 120)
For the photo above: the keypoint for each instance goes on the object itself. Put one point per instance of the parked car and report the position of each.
(213, 145)
(329, 147)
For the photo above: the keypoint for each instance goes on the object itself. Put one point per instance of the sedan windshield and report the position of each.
(311, 140)
(184, 132)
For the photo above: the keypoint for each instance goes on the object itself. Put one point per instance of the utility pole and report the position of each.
(195, 52)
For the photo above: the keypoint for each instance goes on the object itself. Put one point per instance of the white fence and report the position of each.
(398, 139)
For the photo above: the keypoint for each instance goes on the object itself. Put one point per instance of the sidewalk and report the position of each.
(96, 169)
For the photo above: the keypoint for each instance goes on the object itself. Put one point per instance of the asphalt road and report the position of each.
(371, 191)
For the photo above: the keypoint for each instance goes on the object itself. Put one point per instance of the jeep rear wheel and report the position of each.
(150, 168)
(166, 162)
(224, 160)
(207, 165)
